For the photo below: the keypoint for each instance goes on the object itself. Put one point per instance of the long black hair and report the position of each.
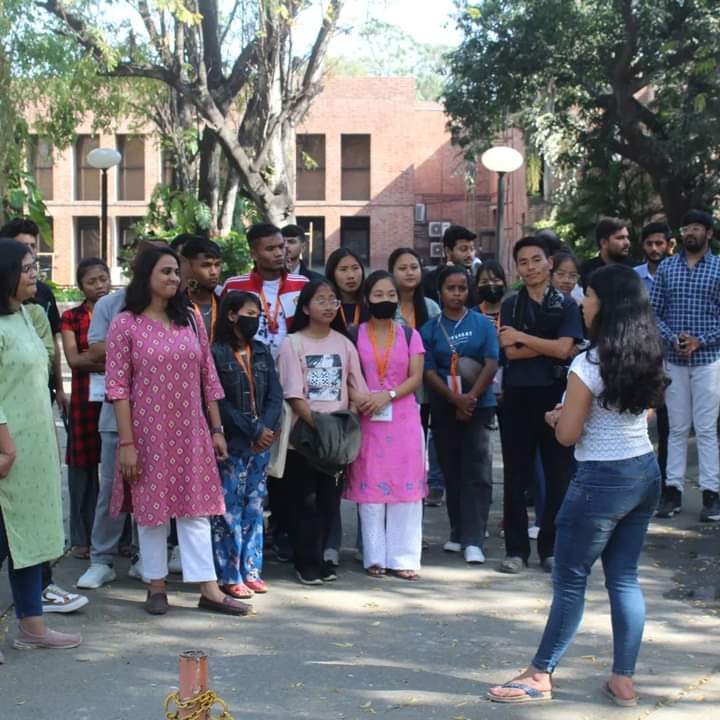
(301, 319)
(419, 304)
(334, 260)
(12, 253)
(374, 278)
(138, 294)
(232, 302)
(624, 334)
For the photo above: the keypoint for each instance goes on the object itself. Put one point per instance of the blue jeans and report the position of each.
(605, 514)
(26, 583)
(237, 536)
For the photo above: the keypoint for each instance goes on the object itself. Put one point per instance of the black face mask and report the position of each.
(248, 326)
(384, 310)
(490, 293)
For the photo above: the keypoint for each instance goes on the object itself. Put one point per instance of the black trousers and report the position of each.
(523, 430)
(280, 505)
(463, 450)
(314, 501)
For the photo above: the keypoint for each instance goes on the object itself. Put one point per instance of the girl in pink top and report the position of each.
(388, 477)
(158, 372)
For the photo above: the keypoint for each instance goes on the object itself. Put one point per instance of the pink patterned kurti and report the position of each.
(161, 372)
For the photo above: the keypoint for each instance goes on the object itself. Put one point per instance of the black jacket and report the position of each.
(308, 273)
(332, 444)
(241, 428)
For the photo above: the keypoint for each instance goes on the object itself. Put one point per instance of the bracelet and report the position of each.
(217, 430)
(126, 444)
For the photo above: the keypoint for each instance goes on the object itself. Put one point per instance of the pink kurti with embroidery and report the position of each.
(161, 371)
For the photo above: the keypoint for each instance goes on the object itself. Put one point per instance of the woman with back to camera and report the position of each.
(31, 525)
(610, 501)
(159, 370)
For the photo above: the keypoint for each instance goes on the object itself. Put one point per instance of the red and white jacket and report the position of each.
(278, 299)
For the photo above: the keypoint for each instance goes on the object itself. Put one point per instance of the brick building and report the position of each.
(375, 170)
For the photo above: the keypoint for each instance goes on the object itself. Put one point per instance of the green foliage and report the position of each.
(391, 52)
(23, 198)
(593, 83)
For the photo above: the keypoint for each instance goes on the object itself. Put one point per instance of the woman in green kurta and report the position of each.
(31, 529)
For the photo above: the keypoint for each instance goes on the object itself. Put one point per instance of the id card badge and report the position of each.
(384, 415)
(452, 385)
(97, 387)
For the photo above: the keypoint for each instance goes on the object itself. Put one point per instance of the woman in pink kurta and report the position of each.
(388, 478)
(161, 379)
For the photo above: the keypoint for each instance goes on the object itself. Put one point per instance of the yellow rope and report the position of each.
(199, 704)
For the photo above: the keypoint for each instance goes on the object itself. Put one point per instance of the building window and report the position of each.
(87, 243)
(355, 235)
(41, 165)
(310, 167)
(46, 254)
(314, 228)
(127, 232)
(131, 172)
(87, 178)
(355, 153)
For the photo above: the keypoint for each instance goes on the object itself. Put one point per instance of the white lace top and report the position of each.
(608, 434)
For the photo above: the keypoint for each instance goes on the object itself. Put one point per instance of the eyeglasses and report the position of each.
(323, 302)
(567, 276)
(29, 268)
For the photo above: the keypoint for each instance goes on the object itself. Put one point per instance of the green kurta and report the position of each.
(30, 495)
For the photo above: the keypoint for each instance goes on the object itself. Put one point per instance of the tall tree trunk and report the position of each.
(230, 193)
(209, 182)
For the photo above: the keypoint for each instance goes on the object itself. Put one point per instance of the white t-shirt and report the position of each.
(608, 434)
(274, 340)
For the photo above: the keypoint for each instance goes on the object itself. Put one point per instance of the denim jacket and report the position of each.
(241, 428)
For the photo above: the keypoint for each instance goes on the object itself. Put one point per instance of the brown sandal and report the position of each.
(376, 571)
(405, 574)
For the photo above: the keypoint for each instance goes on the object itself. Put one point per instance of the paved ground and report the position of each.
(389, 648)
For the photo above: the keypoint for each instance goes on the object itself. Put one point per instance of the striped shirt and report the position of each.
(687, 300)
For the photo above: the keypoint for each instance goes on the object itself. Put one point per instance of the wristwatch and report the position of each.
(392, 394)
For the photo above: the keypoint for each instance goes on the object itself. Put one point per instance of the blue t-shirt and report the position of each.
(539, 371)
(473, 336)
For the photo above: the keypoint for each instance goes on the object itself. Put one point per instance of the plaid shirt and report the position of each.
(83, 447)
(687, 300)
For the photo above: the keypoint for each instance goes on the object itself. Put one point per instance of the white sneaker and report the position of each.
(136, 571)
(451, 546)
(57, 600)
(331, 555)
(96, 576)
(533, 532)
(474, 555)
(175, 563)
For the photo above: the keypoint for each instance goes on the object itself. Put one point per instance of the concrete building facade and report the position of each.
(375, 170)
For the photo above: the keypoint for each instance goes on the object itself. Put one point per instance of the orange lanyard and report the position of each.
(356, 314)
(246, 365)
(272, 318)
(381, 362)
(409, 320)
(213, 316)
(454, 372)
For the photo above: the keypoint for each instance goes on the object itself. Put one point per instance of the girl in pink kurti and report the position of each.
(158, 372)
(388, 478)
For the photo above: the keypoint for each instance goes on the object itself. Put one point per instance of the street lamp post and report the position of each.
(103, 159)
(502, 160)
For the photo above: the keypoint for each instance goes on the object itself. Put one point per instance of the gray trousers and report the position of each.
(106, 531)
(83, 487)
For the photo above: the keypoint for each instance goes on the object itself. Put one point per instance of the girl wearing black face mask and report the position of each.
(388, 478)
(491, 287)
(250, 414)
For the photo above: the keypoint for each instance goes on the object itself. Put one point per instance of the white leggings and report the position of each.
(195, 543)
(392, 534)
